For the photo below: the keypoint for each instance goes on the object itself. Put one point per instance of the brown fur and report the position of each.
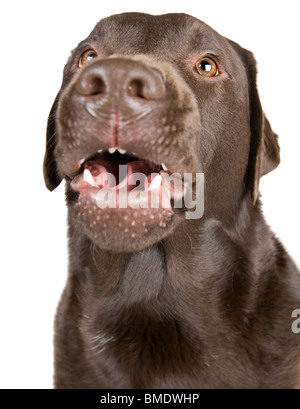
(202, 303)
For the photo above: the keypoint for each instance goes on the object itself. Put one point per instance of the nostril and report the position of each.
(144, 83)
(97, 86)
(135, 88)
(90, 85)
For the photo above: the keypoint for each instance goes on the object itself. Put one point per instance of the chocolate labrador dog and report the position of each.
(166, 295)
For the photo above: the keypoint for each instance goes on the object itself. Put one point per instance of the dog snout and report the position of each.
(120, 85)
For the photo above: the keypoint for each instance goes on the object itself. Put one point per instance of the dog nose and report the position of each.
(119, 84)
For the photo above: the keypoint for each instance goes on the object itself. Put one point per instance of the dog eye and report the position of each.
(207, 67)
(87, 56)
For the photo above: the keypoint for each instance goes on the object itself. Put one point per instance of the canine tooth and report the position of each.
(87, 177)
(100, 150)
(82, 161)
(164, 167)
(112, 150)
(121, 151)
(156, 182)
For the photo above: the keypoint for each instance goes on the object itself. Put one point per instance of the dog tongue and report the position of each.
(109, 174)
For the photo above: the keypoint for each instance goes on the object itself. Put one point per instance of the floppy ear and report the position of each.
(51, 177)
(264, 153)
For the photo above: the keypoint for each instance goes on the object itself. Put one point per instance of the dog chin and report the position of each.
(123, 229)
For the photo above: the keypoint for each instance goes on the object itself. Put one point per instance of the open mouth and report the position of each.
(116, 179)
(124, 201)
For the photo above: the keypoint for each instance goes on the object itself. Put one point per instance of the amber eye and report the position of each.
(87, 56)
(207, 67)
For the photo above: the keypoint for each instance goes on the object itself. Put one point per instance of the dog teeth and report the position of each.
(88, 178)
(164, 167)
(100, 150)
(156, 182)
(82, 161)
(116, 148)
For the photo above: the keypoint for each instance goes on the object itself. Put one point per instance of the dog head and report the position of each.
(156, 96)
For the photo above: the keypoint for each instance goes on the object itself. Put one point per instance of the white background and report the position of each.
(36, 38)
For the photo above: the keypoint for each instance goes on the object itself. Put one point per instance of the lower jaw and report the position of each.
(123, 228)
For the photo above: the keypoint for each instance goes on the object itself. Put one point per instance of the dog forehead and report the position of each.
(145, 33)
